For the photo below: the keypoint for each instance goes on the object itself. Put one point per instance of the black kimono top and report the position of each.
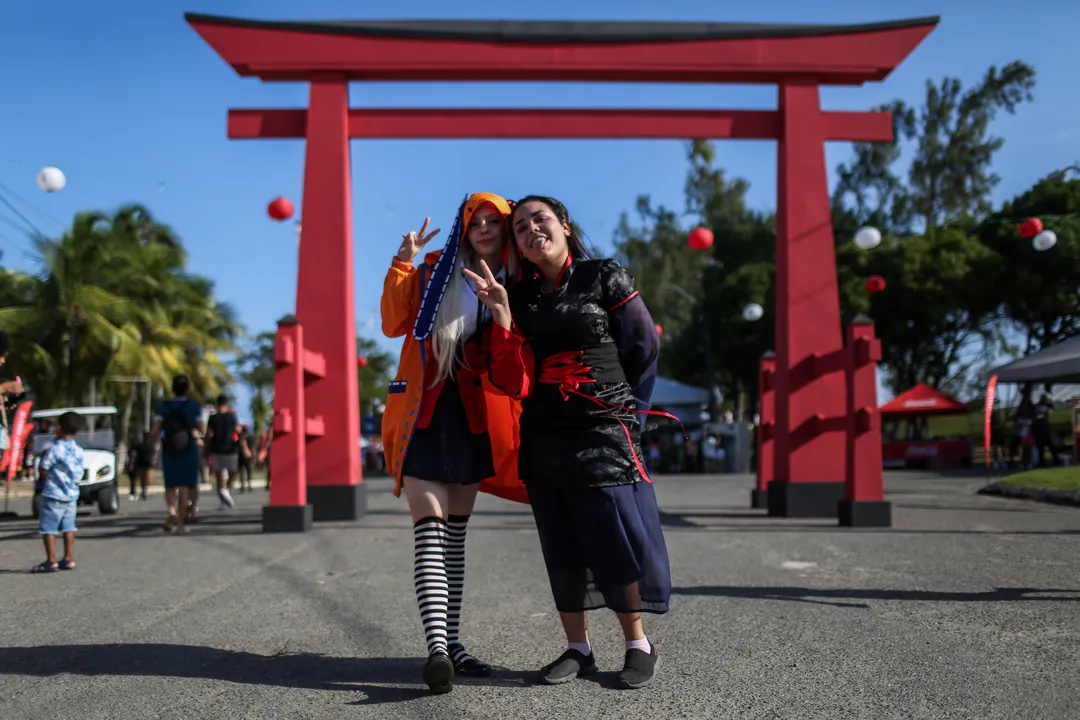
(582, 359)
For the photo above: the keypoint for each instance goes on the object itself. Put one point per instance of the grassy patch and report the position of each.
(961, 425)
(1057, 478)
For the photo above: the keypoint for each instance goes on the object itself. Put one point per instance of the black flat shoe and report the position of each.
(639, 668)
(570, 665)
(466, 664)
(439, 673)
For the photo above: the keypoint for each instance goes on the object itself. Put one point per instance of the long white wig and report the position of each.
(446, 337)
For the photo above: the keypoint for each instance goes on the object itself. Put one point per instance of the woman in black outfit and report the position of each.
(579, 348)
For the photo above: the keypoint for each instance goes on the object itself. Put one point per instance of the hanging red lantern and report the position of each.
(280, 209)
(700, 238)
(659, 330)
(1030, 228)
(362, 361)
(875, 284)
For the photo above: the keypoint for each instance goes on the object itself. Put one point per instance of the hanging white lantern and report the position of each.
(753, 312)
(867, 238)
(50, 179)
(1044, 240)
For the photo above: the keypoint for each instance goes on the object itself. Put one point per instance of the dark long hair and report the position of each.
(574, 241)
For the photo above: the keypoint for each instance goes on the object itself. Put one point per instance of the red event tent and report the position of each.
(922, 400)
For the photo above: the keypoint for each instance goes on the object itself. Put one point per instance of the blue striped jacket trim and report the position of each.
(440, 279)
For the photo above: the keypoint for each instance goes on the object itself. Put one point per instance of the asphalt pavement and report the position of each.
(969, 607)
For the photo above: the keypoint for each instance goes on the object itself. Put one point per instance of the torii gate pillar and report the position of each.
(325, 302)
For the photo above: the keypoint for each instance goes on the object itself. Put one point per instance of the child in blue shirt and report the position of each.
(61, 470)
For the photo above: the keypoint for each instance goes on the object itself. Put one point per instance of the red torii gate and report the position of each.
(809, 466)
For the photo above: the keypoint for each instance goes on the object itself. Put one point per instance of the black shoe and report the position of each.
(639, 667)
(466, 664)
(439, 673)
(570, 665)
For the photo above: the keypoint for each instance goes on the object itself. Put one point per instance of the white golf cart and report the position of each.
(98, 484)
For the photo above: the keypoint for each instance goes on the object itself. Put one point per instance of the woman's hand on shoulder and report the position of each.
(413, 241)
(493, 294)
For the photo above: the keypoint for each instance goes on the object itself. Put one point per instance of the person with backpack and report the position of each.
(221, 442)
(177, 427)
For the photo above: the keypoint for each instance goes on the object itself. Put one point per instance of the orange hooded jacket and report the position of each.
(410, 299)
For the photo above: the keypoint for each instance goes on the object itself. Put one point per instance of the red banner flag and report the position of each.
(990, 390)
(17, 438)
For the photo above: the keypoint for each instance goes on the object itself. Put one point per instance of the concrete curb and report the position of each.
(1056, 497)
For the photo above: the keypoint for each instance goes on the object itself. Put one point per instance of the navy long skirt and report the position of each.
(446, 451)
(603, 547)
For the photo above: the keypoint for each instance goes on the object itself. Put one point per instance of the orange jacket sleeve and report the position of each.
(400, 298)
(512, 363)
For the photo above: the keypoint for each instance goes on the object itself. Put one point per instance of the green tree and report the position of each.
(257, 370)
(941, 321)
(1038, 292)
(687, 289)
(933, 329)
(112, 297)
(951, 175)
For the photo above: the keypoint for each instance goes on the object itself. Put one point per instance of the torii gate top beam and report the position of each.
(463, 50)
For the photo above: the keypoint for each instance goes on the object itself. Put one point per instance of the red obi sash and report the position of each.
(568, 372)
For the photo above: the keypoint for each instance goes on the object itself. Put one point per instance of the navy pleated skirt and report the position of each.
(446, 451)
(603, 547)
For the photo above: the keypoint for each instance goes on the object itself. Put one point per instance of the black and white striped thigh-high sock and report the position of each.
(429, 576)
(455, 575)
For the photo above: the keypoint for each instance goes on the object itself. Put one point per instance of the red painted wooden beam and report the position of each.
(566, 52)
(559, 123)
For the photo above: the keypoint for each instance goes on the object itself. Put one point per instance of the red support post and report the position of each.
(809, 479)
(864, 503)
(288, 510)
(766, 461)
(325, 303)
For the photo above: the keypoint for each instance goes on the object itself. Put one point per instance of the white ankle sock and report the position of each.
(642, 644)
(582, 648)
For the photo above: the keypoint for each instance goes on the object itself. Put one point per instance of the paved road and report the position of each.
(967, 608)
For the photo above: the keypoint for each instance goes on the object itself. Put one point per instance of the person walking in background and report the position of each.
(243, 458)
(144, 464)
(61, 470)
(129, 469)
(11, 387)
(221, 447)
(175, 428)
(1041, 433)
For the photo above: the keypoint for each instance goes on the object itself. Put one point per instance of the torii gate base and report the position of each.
(812, 412)
(860, 501)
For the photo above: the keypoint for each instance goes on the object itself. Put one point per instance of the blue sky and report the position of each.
(131, 103)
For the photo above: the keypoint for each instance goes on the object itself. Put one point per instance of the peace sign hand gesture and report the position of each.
(412, 242)
(491, 292)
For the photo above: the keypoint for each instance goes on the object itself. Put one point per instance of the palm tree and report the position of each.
(257, 370)
(112, 297)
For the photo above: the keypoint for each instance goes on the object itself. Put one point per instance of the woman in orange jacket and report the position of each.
(447, 432)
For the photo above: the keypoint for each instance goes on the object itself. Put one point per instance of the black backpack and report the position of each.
(177, 431)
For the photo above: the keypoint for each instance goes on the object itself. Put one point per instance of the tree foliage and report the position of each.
(111, 298)
(1038, 293)
(960, 282)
